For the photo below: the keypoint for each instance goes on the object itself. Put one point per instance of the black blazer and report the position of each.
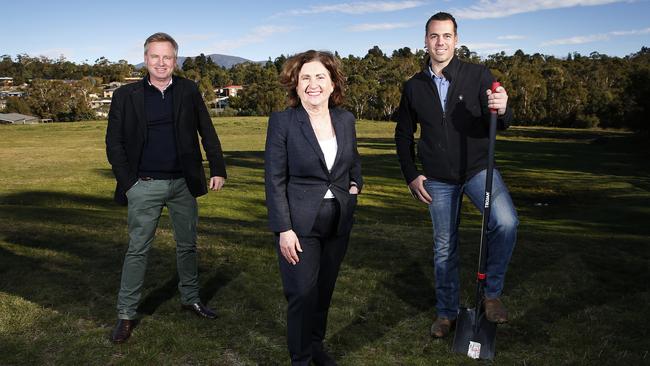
(296, 176)
(127, 130)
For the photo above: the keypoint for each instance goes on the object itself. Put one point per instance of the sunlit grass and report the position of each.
(576, 290)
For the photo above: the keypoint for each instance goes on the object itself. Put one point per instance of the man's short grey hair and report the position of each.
(161, 37)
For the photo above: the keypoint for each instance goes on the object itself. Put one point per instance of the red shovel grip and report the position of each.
(495, 85)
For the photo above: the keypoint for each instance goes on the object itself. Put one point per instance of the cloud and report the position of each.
(367, 27)
(594, 37)
(631, 33)
(484, 46)
(257, 35)
(511, 37)
(486, 9)
(362, 7)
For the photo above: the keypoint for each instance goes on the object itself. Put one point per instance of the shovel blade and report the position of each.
(477, 345)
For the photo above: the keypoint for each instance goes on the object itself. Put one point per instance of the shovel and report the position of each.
(475, 335)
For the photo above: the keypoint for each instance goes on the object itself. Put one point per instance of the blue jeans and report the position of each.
(445, 216)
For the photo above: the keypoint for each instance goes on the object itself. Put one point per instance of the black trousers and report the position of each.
(308, 285)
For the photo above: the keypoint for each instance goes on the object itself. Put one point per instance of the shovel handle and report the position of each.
(495, 85)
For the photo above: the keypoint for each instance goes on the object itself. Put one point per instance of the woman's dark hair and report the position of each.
(291, 70)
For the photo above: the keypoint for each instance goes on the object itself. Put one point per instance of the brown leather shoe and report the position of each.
(200, 310)
(441, 327)
(122, 330)
(495, 311)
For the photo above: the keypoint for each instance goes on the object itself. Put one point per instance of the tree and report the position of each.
(637, 107)
(279, 62)
(17, 105)
(58, 100)
(263, 94)
(358, 94)
(207, 90)
(403, 53)
(465, 54)
(188, 64)
(201, 64)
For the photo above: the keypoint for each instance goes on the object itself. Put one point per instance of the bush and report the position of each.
(225, 112)
(586, 121)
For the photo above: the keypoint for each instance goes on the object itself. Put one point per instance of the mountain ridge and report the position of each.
(226, 61)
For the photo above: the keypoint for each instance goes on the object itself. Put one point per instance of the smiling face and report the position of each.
(440, 41)
(314, 84)
(160, 60)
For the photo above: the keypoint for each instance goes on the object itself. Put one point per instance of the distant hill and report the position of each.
(221, 60)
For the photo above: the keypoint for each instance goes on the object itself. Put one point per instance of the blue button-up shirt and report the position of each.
(442, 85)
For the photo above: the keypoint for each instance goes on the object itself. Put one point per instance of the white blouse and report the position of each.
(329, 148)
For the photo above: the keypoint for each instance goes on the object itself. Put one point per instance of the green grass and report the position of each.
(577, 288)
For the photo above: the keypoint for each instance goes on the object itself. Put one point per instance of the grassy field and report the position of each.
(577, 287)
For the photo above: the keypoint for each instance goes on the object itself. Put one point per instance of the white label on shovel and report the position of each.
(474, 350)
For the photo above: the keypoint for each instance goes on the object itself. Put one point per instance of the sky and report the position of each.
(83, 31)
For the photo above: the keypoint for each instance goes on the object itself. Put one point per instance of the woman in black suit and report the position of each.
(313, 176)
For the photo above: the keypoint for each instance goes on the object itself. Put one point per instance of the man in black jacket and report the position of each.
(153, 147)
(450, 100)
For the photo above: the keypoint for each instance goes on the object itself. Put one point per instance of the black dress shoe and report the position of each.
(320, 357)
(122, 330)
(200, 310)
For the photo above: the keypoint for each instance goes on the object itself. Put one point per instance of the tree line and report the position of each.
(577, 91)
(59, 89)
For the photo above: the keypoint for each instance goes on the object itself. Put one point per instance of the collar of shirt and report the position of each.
(442, 84)
(163, 89)
(436, 77)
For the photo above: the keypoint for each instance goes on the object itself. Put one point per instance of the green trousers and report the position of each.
(146, 201)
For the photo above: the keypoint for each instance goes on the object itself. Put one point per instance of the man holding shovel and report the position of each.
(450, 100)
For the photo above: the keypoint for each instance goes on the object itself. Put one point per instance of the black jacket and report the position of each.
(453, 144)
(126, 134)
(296, 176)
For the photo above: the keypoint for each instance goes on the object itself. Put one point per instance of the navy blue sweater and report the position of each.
(159, 158)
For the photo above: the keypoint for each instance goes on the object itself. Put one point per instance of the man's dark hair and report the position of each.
(441, 16)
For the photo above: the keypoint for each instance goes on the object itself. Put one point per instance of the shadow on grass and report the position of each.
(169, 289)
(67, 244)
(377, 143)
(105, 172)
(592, 282)
(158, 296)
(585, 252)
(410, 285)
(48, 199)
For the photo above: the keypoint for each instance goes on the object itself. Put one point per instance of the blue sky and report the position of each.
(83, 31)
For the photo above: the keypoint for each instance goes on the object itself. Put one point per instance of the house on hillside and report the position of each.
(6, 81)
(97, 103)
(228, 91)
(221, 102)
(108, 93)
(11, 93)
(17, 119)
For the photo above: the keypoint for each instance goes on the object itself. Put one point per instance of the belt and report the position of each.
(152, 178)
